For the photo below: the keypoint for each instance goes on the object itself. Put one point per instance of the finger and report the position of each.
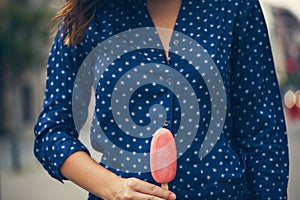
(151, 189)
(142, 196)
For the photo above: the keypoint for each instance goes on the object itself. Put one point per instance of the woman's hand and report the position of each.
(133, 188)
(88, 174)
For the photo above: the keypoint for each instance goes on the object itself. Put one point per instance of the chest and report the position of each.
(130, 39)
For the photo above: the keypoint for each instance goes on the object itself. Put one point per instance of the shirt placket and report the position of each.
(170, 122)
(170, 81)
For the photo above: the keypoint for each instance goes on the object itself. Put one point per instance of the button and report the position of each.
(176, 42)
(166, 123)
(169, 80)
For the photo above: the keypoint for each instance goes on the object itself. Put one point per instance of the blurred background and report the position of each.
(24, 47)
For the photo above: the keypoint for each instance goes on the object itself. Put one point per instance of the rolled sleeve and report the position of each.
(55, 130)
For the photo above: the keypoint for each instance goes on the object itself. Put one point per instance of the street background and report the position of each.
(21, 175)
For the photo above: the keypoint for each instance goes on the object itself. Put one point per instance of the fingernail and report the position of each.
(173, 196)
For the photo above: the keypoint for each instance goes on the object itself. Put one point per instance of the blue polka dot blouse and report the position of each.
(217, 93)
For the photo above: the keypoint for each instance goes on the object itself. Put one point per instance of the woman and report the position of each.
(237, 146)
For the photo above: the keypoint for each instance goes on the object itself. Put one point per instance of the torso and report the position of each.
(143, 79)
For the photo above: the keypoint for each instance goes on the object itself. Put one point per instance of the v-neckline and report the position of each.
(178, 16)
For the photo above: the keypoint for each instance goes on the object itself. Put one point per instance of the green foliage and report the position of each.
(24, 33)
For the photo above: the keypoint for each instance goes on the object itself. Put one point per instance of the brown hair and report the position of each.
(75, 16)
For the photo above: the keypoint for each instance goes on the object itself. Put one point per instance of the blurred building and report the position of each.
(23, 53)
(283, 19)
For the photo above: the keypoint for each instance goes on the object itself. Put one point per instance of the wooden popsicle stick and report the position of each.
(165, 186)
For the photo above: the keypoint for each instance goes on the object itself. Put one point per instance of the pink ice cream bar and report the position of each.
(163, 157)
